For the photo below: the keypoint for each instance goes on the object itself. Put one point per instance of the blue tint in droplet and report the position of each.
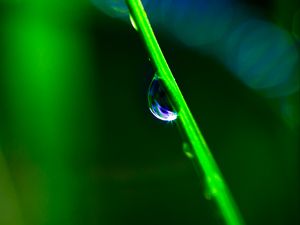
(159, 103)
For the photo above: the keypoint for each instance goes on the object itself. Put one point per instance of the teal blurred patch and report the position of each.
(264, 57)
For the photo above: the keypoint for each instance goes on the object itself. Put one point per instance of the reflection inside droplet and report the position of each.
(159, 103)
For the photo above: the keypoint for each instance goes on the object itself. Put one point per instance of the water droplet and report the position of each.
(214, 185)
(133, 22)
(159, 102)
(187, 149)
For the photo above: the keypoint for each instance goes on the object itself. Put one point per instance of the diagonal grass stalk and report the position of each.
(202, 156)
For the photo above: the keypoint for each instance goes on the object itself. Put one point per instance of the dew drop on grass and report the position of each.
(133, 22)
(159, 103)
(187, 150)
(214, 185)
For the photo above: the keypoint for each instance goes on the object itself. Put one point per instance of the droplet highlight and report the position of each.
(133, 22)
(159, 103)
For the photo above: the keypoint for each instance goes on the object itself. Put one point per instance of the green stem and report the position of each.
(215, 183)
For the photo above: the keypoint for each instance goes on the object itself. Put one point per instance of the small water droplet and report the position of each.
(213, 186)
(159, 103)
(133, 22)
(187, 149)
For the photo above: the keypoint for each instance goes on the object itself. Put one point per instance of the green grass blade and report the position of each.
(215, 182)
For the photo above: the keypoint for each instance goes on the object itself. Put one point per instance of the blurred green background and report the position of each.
(78, 144)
